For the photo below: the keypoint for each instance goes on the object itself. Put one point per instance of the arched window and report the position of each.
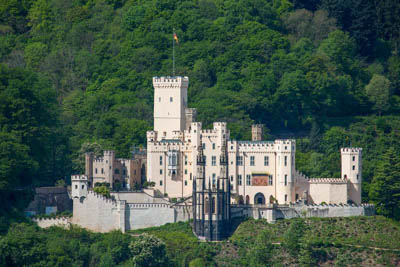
(206, 205)
(247, 200)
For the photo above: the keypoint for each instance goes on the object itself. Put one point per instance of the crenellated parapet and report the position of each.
(168, 82)
(327, 181)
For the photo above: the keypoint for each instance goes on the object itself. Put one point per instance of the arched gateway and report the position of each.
(259, 199)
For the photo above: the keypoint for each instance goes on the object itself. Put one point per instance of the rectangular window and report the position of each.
(95, 171)
(354, 167)
(266, 160)
(102, 170)
(214, 161)
(252, 161)
(171, 99)
(160, 171)
(354, 158)
(270, 180)
(116, 171)
(134, 172)
(239, 160)
(240, 179)
(190, 176)
(161, 160)
(285, 160)
(285, 198)
(213, 145)
(213, 179)
(248, 181)
(160, 182)
(185, 183)
(124, 172)
(205, 160)
(231, 178)
(204, 145)
(159, 99)
(185, 160)
(185, 171)
(285, 179)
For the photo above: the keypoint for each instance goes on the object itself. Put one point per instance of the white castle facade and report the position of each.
(259, 178)
(260, 172)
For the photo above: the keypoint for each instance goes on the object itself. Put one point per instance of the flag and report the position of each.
(176, 38)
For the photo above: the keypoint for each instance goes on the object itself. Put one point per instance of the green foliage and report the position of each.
(293, 237)
(378, 91)
(102, 190)
(28, 245)
(385, 185)
(260, 253)
(148, 251)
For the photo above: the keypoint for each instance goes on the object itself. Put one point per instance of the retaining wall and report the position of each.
(64, 222)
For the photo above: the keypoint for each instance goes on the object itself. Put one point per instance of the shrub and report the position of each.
(148, 251)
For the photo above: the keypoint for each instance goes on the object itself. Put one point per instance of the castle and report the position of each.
(214, 177)
(259, 171)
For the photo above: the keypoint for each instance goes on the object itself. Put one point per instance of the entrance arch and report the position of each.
(259, 199)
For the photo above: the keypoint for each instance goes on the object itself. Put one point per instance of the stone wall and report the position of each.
(99, 214)
(275, 212)
(56, 198)
(96, 213)
(148, 215)
(64, 222)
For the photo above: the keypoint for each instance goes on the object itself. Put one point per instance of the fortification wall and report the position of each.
(64, 222)
(336, 210)
(137, 197)
(139, 215)
(273, 213)
(96, 213)
(183, 213)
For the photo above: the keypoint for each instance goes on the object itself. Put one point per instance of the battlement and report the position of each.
(285, 141)
(170, 82)
(79, 177)
(217, 125)
(327, 181)
(109, 152)
(351, 150)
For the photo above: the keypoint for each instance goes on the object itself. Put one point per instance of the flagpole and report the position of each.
(173, 53)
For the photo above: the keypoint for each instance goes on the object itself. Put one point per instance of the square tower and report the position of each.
(170, 102)
(352, 171)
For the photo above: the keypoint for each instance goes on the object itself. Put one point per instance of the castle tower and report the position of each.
(108, 161)
(352, 170)
(170, 102)
(79, 185)
(190, 116)
(285, 168)
(89, 157)
(257, 132)
(211, 205)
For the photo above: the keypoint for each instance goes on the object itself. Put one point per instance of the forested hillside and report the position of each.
(76, 76)
(350, 241)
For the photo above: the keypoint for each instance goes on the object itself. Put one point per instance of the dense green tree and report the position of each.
(148, 250)
(293, 236)
(261, 252)
(378, 91)
(385, 185)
